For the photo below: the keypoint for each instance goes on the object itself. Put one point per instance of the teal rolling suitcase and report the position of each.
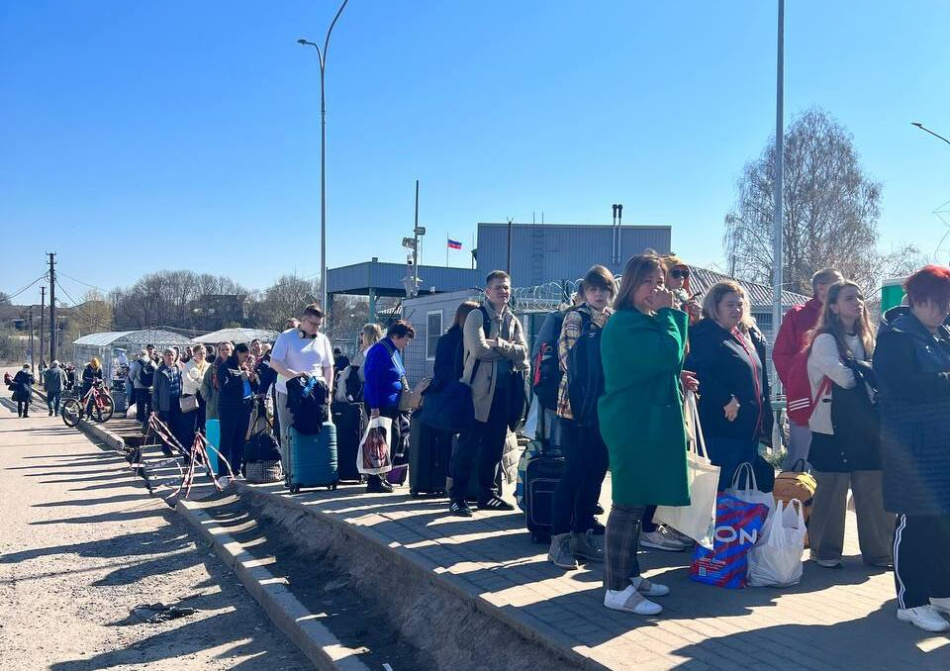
(312, 460)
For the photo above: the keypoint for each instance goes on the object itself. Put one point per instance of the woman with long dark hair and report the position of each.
(236, 383)
(845, 447)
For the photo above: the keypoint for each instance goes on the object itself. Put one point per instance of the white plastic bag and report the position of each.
(698, 519)
(375, 454)
(776, 560)
(750, 492)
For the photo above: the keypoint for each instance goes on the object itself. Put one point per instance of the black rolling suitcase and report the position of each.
(542, 475)
(350, 422)
(429, 452)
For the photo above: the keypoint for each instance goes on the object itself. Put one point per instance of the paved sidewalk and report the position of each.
(82, 545)
(835, 619)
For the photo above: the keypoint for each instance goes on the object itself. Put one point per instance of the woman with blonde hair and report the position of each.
(727, 351)
(846, 444)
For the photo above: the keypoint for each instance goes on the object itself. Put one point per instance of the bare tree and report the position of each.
(287, 297)
(830, 209)
(5, 298)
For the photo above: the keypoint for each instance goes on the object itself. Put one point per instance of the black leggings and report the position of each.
(23, 408)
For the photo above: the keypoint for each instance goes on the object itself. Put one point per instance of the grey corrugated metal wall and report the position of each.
(551, 252)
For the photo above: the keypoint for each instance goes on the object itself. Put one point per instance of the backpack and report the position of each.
(147, 374)
(309, 400)
(800, 402)
(547, 368)
(585, 372)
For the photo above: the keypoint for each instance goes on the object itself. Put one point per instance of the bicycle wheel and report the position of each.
(71, 412)
(103, 411)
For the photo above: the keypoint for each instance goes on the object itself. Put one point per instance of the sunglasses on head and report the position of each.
(679, 272)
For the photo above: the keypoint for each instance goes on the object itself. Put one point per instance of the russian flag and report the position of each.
(454, 244)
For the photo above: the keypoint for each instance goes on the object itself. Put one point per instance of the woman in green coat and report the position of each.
(641, 420)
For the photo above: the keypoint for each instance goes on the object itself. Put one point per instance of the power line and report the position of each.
(17, 293)
(85, 284)
(75, 305)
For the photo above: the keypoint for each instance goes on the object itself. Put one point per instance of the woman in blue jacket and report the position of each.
(385, 384)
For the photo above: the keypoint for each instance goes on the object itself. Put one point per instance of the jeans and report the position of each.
(285, 418)
(799, 444)
(585, 466)
(483, 443)
(52, 401)
(143, 405)
(234, 422)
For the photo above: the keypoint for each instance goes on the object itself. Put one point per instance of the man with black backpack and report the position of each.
(142, 374)
(495, 366)
(586, 458)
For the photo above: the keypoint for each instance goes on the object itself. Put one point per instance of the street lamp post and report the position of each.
(927, 130)
(322, 59)
(777, 212)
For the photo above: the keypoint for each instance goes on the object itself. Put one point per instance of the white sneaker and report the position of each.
(650, 589)
(942, 605)
(923, 617)
(631, 601)
(661, 540)
(223, 481)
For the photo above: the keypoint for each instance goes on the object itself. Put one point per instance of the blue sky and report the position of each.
(192, 128)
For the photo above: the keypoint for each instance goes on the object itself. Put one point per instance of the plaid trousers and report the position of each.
(621, 542)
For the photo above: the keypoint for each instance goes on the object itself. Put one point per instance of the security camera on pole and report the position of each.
(411, 281)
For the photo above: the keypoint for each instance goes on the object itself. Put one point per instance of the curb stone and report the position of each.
(528, 626)
(289, 615)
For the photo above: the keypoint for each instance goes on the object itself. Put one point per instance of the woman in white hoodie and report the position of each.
(846, 446)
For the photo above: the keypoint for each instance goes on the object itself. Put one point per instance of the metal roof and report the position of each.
(237, 335)
(702, 279)
(386, 279)
(132, 338)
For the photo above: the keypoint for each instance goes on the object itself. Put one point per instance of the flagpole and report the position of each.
(446, 250)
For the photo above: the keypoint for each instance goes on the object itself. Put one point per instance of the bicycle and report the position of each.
(97, 403)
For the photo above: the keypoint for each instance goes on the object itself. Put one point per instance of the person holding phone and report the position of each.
(236, 384)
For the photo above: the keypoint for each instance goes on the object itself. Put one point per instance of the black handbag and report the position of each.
(449, 408)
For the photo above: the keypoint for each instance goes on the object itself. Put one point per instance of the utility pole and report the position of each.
(777, 228)
(508, 262)
(52, 305)
(32, 351)
(43, 323)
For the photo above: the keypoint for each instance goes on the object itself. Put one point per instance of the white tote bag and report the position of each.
(776, 560)
(698, 519)
(748, 489)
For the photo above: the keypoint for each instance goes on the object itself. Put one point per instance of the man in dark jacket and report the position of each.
(54, 381)
(912, 363)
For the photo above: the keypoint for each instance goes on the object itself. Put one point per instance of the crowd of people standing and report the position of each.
(866, 411)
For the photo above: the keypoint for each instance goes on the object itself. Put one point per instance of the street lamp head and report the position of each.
(302, 41)
(916, 123)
